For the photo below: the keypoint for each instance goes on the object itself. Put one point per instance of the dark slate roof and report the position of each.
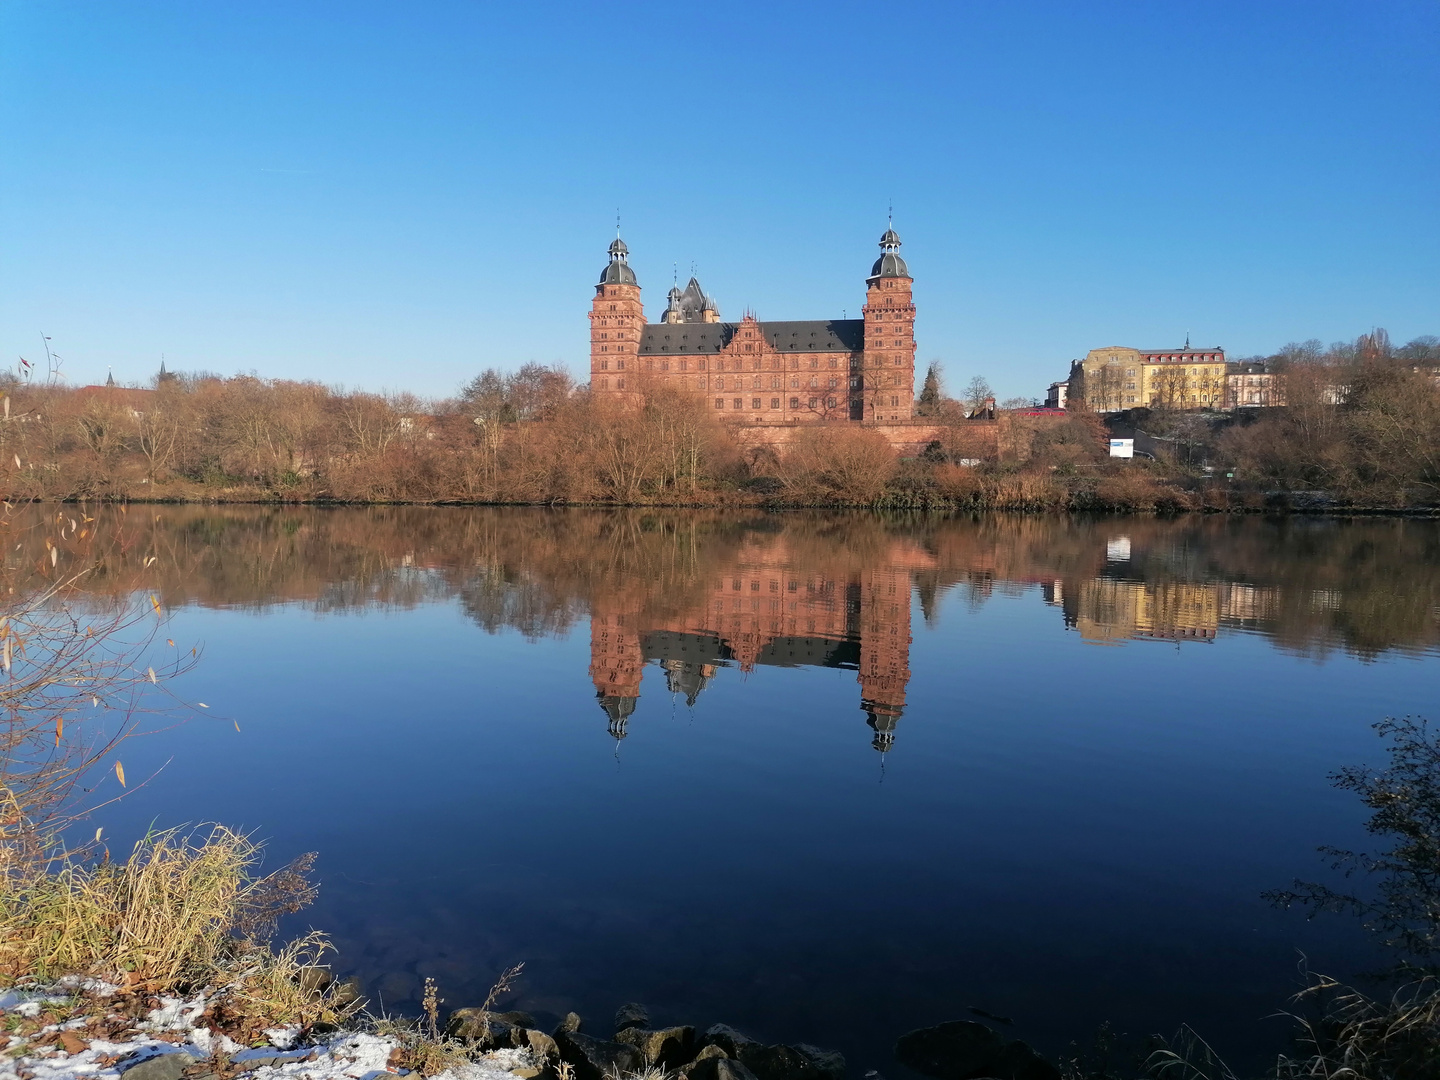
(618, 273)
(791, 651)
(707, 339)
(889, 265)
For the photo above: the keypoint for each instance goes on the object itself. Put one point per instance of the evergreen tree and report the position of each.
(930, 392)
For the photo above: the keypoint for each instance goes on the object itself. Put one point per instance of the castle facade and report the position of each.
(757, 372)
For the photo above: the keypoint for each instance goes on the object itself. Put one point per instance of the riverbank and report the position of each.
(83, 1029)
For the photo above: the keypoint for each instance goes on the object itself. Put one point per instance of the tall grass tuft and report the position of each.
(166, 916)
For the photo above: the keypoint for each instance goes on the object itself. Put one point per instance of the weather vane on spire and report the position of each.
(617, 223)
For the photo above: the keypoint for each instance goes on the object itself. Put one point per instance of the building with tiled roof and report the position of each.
(760, 372)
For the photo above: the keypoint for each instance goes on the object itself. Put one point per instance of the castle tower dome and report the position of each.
(617, 271)
(890, 264)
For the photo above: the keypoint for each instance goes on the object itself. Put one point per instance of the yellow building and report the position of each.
(1118, 377)
(1109, 611)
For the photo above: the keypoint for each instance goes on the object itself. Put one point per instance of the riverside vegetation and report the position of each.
(1360, 428)
(186, 914)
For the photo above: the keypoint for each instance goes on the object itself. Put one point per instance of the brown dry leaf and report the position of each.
(59, 728)
(72, 1043)
(120, 775)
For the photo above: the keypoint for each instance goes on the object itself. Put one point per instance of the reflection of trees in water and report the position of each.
(1311, 585)
(1396, 890)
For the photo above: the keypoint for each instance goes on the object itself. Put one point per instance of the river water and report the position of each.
(825, 778)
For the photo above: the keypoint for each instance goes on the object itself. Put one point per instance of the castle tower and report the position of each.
(616, 667)
(616, 320)
(884, 674)
(888, 378)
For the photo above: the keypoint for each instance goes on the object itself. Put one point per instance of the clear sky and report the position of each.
(398, 195)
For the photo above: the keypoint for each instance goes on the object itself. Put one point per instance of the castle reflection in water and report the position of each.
(768, 609)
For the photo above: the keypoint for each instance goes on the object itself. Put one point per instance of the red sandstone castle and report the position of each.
(760, 372)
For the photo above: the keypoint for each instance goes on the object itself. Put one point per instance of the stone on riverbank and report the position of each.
(717, 1067)
(666, 1047)
(728, 1039)
(484, 1029)
(798, 1062)
(570, 1023)
(595, 1059)
(631, 1015)
(159, 1067)
(965, 1050)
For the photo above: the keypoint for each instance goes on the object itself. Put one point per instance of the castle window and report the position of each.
(812, 402)
(834, 382)
(755, 403)
(702, 364)
(794, 404)
(604, 348)
(834, 363)
(684, 365)
(612, 293)
(620, 364)
(755, 384)
(604, 384)
(664, 365)
(604, 365)
(794, 383)
(894, 402)
(774, 403)
(814, 363)
(749, 347)
(719, 403)
(702, 382)
(830, 402)
(619, 384)
(649, 365)
(739, 403)
(897, 361)
(814, 382)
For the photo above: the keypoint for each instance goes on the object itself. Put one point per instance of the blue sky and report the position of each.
(398, 195)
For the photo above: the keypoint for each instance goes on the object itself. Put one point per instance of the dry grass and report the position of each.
(1356, 1036)
(170, 919)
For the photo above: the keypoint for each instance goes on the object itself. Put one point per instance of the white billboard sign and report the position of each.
(1122, 448)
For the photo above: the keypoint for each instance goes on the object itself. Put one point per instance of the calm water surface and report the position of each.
(824, 778)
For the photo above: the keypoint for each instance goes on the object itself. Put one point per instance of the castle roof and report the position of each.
(890, 264)
(617, 271)
(707, 339)
(692, 303)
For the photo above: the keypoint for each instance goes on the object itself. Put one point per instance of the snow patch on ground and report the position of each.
(344, 1056)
